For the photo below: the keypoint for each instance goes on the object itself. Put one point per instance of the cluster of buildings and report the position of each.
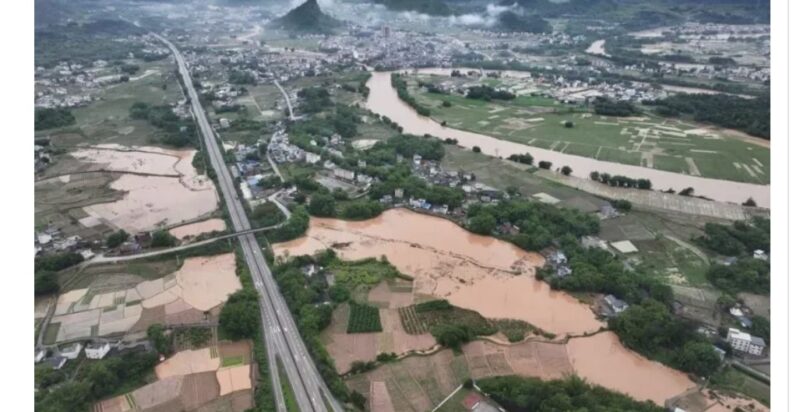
(58, 356)
(51, 240)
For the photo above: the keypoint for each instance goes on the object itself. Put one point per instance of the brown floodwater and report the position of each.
(383, 100)
(603, 360)
(145, 206)
(481, 273)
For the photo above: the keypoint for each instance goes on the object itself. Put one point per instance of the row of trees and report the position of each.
(519, 394)
(621, 181)
(607, 107)
(402, 92)
(488, 93)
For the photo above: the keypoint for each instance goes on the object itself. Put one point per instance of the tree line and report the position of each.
(751, 116)
(621, 181)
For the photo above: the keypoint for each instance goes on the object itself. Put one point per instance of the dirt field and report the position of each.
(118, 302)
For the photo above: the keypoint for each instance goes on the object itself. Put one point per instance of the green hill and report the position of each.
(307, 18)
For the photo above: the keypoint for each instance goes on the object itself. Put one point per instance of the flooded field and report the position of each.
(595, 358)
(384, 101)
(421, 382)
(149, 173)
(481, 273)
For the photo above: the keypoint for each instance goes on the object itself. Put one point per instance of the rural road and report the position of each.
(281, 336)
(286, 97)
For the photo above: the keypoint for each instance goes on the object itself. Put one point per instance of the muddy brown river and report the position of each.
(383, 100)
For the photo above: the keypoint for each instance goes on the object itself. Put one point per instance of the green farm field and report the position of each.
(667, 144)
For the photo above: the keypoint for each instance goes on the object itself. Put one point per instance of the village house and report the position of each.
(344, 174)
(312, 158)
(616, 305)
(70, 351)
(97, 350)
(745, 343)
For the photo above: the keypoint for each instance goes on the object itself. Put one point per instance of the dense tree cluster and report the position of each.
(117, 238)
(45, 282)
(94, 381)
(240, 317)
(57, 261)
(607, 107)
(520, 394)
(621, 181)
(267, 214)
(177, 132)
(241, 77)
(295, 227)
(748, 115)
(52, 118)
(740, 238)
(745, 275)
(539, 224)
(360, 210)
(650, 329)
(162, 238)
(314, 99)
(598, 271)
(488, 93)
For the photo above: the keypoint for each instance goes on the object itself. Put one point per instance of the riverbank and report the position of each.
(383, 100)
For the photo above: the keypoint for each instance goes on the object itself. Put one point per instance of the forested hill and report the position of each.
(307, 18)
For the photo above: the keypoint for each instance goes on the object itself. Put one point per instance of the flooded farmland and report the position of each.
(497, 280)
(481, 273)
(383, 100)
(149, 173)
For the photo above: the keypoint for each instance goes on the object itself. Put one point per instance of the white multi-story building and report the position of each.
(744, 342)
(97, 350)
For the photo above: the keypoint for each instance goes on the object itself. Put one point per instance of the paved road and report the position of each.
(281, 336)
